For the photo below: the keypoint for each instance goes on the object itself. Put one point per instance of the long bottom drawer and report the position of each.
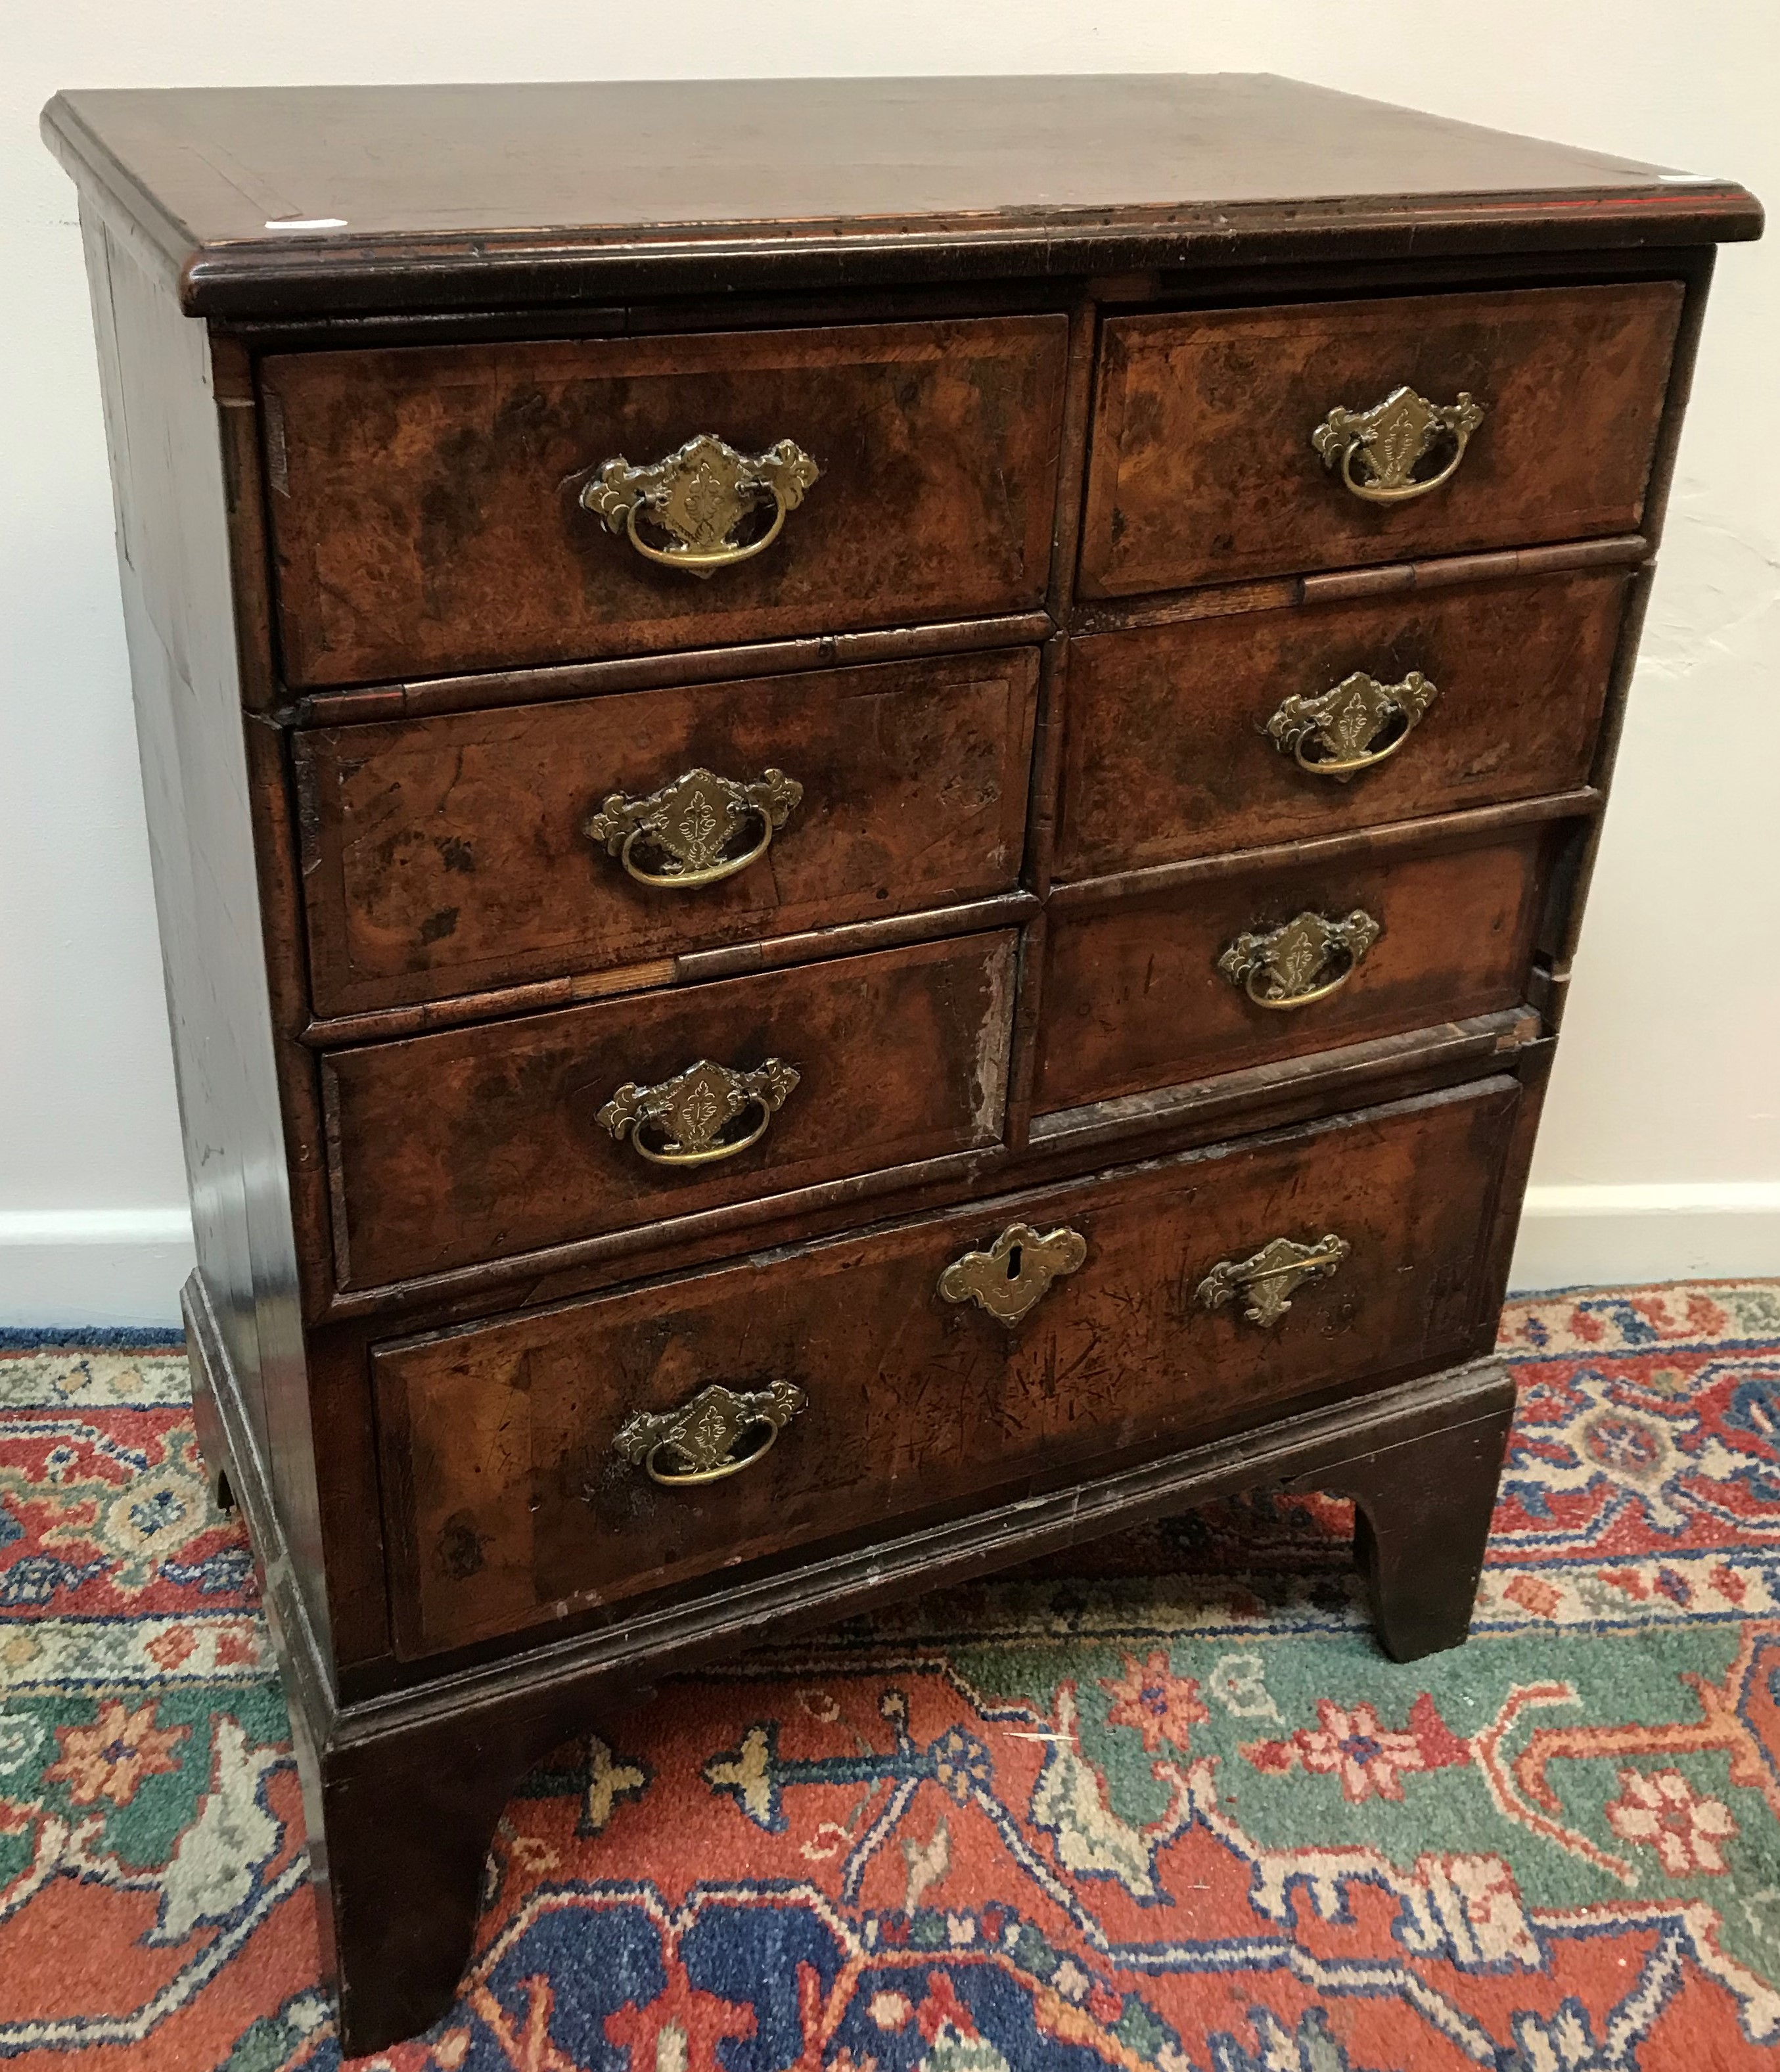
(536, 1467)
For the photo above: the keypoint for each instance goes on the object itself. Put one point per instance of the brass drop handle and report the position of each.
(704, 1436)
(1393, 438)
(690, 825)
(1344, 724)
(1268, 1280)
(1286, 967)
(683, 1121)
(699, 496)
(1015, 1273)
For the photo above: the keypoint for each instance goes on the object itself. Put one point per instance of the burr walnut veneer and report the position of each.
(869, 802)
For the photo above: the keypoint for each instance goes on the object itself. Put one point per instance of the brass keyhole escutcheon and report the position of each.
(1015, 1273)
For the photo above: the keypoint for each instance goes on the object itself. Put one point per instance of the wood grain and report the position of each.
(1422, 1514)
(212, 847)
(1203, 468)
(559, 194)
(1166, 756)
(1134, 999)
(508, 1506)
(675, 671)
(765, 953)
(1294, 1089)
(425, 517)
(479, 1143)
(448, 855)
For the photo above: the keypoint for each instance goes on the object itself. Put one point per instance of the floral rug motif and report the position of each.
(1161, 1803)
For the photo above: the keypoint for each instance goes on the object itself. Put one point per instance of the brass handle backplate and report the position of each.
(690, 825)
(1015, 1271)
(700, 497)
(1337, 734)
(1268, 1282)
(682, 1121)
(1392, 439)
(1289, 966)
(703, 1435)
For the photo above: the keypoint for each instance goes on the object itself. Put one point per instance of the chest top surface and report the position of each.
(266, 201)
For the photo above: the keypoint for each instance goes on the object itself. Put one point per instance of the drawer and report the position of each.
(1203, 468)
(509, 1500)
(1134, 997)
(475, 1143)
(453, 854)
(1168, 751)
(427, 512)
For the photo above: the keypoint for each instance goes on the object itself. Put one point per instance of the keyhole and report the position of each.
(1013, 1263)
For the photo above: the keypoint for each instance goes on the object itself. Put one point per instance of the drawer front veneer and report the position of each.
(1203, 468)
(452, 854)
(426, 510)
(507, 1503)
(1134, 999)
(1167, 753)
(475, 1143)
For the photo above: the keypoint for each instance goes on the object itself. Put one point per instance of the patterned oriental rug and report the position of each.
(1161, 1805)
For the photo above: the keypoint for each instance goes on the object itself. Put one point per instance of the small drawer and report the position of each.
(475, 1143)
(848, 1384)
(1275, 726)
(450, 854)
(437, 508)
(1167, 988)
(1203, 469)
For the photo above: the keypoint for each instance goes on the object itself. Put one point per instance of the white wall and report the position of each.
(1661, 1155)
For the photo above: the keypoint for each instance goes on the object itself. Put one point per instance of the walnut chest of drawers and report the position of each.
(869, 804)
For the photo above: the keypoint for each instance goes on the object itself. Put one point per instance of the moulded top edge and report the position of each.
(290, 201)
